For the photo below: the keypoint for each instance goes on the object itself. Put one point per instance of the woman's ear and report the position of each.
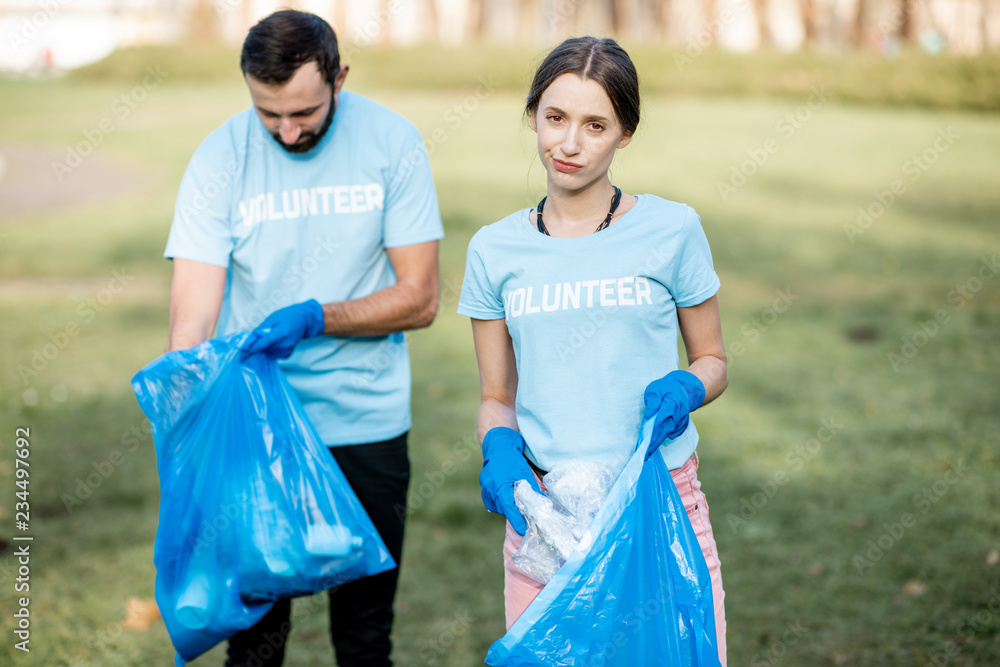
(626, 138)
(533, 120)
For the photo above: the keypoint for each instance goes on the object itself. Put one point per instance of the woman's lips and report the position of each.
(566, 167)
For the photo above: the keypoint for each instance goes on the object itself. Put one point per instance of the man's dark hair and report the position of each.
(285, 41)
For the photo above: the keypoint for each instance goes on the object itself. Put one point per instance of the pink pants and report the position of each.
(519, 590)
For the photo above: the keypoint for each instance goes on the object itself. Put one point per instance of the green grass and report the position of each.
(794, 560)
(944, 81)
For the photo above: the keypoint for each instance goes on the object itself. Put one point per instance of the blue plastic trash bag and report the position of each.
(253, 508)
(637, 591)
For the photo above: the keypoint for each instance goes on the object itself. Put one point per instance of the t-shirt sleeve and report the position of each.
(478, 299)
(201, 230)
(411, 208)
(694, 279)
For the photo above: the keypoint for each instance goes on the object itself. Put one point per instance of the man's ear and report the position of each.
(338, 81)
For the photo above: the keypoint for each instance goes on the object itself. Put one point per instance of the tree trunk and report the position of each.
(809, 21)
(760, 6)
(432, 27)
(527, 20)
(907, 22)
(202, 28)
(858, 29)
(658, 18)
(477, 19)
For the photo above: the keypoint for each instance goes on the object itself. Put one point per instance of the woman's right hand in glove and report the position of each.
(503, 465)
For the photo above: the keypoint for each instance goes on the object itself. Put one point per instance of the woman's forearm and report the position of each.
(713, 374)
(493, 413)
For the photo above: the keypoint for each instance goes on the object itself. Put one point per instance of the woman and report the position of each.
(576, 305)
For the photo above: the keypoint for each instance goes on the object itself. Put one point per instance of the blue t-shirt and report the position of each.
(292, 227)
(593, 320)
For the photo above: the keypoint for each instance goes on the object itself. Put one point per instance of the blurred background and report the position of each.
(844, 156)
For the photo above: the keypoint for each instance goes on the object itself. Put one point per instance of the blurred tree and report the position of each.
(809, 20)
(760, 7)
(858, 28)
(528, 18)
(477, 19)
(907, 20)
(432, 24)
(202, 26)
(658, 12)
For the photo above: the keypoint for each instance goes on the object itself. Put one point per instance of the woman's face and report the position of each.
(578, 132)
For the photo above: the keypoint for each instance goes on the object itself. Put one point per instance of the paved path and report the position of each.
(29, 185)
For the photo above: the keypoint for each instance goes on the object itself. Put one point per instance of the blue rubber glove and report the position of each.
(278, 334)
(670, 400)
(503, 465)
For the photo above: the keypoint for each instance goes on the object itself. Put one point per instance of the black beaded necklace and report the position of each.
(615, 200)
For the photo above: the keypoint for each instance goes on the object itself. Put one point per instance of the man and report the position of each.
(312, 216)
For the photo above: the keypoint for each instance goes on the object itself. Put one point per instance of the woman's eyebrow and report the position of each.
(559, 111)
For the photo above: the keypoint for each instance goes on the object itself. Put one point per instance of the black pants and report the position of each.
(360, 611)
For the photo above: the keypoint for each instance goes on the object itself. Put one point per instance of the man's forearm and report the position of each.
(399, 307)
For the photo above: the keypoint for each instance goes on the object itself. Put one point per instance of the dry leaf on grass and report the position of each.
(140, 614)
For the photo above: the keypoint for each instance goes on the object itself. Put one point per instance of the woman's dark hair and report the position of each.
(591, 58)
(284, 41)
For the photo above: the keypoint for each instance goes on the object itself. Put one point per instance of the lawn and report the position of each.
(851, 466)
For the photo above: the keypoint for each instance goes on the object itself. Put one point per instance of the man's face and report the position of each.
(298, 112)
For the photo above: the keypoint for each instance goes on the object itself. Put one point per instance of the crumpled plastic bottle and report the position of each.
(557, 521)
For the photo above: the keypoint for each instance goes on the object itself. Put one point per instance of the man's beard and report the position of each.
(308, 139)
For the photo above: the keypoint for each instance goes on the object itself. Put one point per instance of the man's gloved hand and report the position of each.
(278, 334)
(671, 399)
(503, 465)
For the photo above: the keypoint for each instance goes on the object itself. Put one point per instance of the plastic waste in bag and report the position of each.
(636, 592)
(253, 508)
(556, 521)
